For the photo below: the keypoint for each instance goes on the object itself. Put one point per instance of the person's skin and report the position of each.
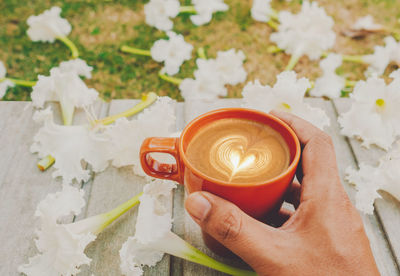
(324, 236)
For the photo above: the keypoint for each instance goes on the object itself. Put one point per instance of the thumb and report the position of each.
(225, 222)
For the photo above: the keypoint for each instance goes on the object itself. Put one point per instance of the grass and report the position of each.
(99, 28)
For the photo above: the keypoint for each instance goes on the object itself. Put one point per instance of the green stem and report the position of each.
(46, 162)
(201, 53)
(273, 49)
(273, 25)
(349, 83)
(274, 15)
(351, 58)
(187, 9)
(70, 45)
(20, 82)
(199, 257)
(396, 35)
(147, 99)
(173, 80)
(119, 211)
(67, 111)
(292, 62)
(135, 51)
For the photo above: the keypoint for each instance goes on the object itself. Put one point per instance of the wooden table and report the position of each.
(22, 186)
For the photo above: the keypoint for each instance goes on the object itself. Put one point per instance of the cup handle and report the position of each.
(156, 169)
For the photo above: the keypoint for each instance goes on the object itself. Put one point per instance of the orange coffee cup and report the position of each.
(256, 199)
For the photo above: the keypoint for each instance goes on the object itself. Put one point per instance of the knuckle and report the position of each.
(230, 225)
(323, 139)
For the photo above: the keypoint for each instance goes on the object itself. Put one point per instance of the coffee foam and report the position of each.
(239, 151)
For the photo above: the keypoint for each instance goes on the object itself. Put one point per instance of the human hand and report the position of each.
(323, 236)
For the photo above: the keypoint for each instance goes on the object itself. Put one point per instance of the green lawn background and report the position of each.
(99, 28)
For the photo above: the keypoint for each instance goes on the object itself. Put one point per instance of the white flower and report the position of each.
(288, 95)
(61, 246)
(382, 56)
(152, 225)
(261, 10)
(374, 115)
(5, 84)
(78, 66)
(172, 52)
(69, 145)
(60, 204)
(207, 84)
(65, 86)
(3, 70)
(366, 23)
(329, 84)
(307, 33)
(153, 236)
(369, 180)
(230, 66)
(127, 135)
(159, 12)
(48, 26)
(205, 10)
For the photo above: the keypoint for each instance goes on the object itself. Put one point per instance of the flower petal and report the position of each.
(69, 145)
(309, 32)
(126, 136)
(48, 26)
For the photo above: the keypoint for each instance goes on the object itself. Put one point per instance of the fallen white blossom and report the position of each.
(310, 32)
(78, 66)
(329, 84)
(153, 236)
(369, 180)
(382, 56)
(48, 26)
(65, 86)
(287, 95)
(61, 247)
(4, 84)
(69, 145)
(152, 226)
(229, 65)
(126, 136)
(207, 83)
(261, 10)
(205, 9)
(172, 52)
(366, 23)
(159, 12)
(374, 114)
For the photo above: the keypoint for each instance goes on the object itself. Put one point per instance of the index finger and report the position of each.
(320, 173)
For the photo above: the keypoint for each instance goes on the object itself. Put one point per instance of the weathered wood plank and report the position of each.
(176, 264)
(109, 189)
(22, 185)
(387, 209)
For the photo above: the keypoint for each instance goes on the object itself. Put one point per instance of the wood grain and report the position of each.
(22, 184)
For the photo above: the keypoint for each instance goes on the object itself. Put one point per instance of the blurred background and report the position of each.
(99, 28)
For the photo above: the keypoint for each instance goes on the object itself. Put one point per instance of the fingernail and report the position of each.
(198, 206)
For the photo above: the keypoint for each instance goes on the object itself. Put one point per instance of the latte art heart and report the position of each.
(239, 151)
(234, 157)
